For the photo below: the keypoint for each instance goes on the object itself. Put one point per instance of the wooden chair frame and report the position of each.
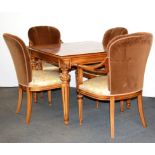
(29, 91)
(111, 98)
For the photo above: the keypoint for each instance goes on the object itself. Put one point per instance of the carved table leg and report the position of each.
(36, 63)
(65, 77)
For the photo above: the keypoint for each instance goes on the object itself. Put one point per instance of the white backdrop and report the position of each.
(78, 20)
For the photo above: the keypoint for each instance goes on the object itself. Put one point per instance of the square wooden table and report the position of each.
(65, 56)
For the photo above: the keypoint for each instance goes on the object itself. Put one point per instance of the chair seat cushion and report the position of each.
(48, 66)
(44, 78)
(97, 86)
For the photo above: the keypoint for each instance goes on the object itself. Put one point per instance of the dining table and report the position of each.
(67, 56)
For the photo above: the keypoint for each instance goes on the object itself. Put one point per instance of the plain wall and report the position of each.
(79, 20)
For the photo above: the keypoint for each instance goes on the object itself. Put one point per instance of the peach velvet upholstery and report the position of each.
(127, 60)
(112, 33)
(20, 58)
(122, 36)
(43, 35)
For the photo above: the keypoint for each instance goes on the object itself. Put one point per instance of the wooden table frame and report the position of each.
(67, 61)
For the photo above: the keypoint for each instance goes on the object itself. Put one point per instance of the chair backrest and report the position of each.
(127, 60)
(111, 33)
(20, 58)
(43, 35)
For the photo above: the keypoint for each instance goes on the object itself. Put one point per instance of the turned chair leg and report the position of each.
(20, 95)
(141, 111)
(80, 107)
(128, 104)
(29, 106)
(122, 106)
(97, 104)
(35, 97)
(41, 95)
(49, 97)
(112, 117)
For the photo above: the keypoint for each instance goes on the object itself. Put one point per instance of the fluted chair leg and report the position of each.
(141, 111)
(20, 95)
(35, 97)
(97, 104)
(122, 106)
(41, 95)
(80, 107)
(29, 106)
(128, 104)
(49, 97)
(112, 117)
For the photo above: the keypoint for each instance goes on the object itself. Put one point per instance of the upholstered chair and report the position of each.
(107, 37)
(29, 80)
(44, 35)
(112, 33)
(40, 36)
(127, 57)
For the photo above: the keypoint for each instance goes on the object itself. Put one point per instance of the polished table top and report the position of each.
(73, 48)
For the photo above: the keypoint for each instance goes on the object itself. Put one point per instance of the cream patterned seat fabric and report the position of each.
(44, 78)
(97, 86)
(48, 66)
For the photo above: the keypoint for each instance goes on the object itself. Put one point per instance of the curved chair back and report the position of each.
(43, 35)
(20, 58)
(111, 33)
(127, 60)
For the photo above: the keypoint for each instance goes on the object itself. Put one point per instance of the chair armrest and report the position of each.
(101, 68)
(95, 69)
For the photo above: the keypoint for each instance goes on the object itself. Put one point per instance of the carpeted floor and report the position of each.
(47, 122)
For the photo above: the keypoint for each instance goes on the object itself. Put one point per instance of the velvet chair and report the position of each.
(112, 33)
(127, 57)
(43, 35)
(107, 37)
(29, 80)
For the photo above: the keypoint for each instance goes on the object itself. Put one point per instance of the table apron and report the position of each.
(72, 60)
(88, 59)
